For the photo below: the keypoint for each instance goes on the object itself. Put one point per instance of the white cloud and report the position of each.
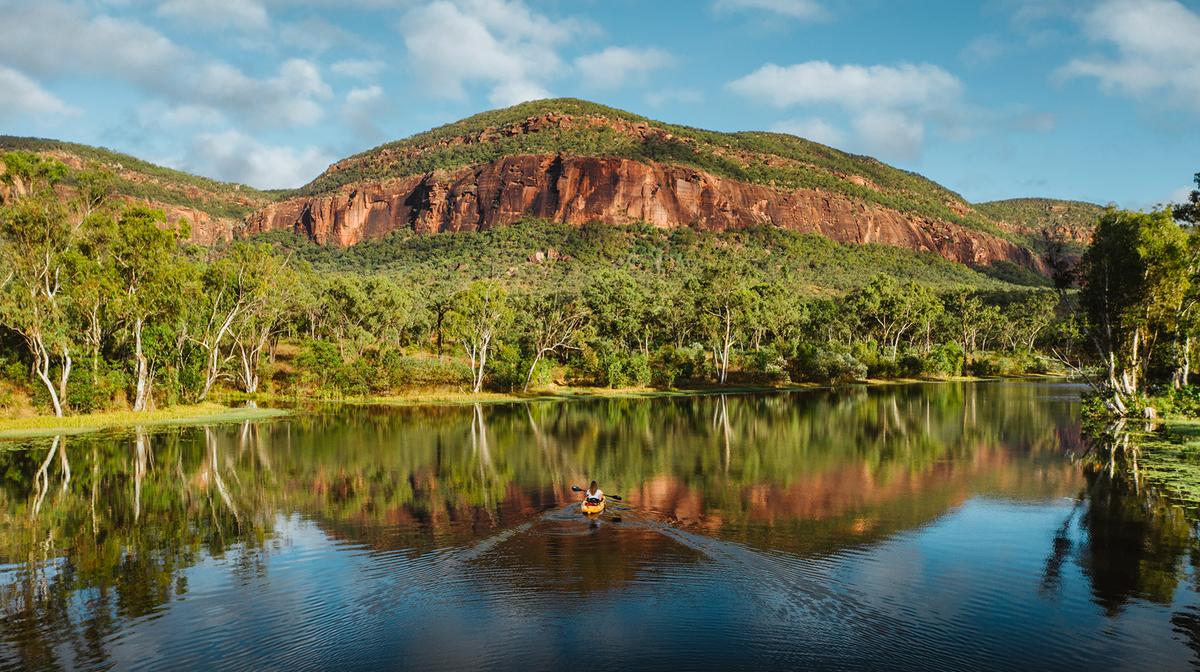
(314, 35)
(246, 15)
(615, 66)
(52, 38)
(20, 95)
(358, 69)
(1182, 194)
(890, 133)
(156, 115)
(500, 44)
(1157, 51)
(812, 128)
(984, 49)
(661, 97)
(360, 109)
(889, 104)
(795, 9)
(850, 86)
(233, 156)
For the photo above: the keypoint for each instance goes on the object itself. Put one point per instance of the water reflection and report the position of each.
(456, 493)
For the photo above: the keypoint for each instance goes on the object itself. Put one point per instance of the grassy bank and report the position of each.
(17, 428)
(450, 397)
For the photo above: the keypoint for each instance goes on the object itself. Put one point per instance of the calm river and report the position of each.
(960, 526)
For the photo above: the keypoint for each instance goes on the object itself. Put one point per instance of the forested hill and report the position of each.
(571, 161)
(215, 210)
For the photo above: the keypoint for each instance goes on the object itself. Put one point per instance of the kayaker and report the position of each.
(594, 494)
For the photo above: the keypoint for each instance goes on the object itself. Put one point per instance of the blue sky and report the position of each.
(1093, 99)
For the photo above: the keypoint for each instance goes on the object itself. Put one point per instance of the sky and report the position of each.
(1096, 100)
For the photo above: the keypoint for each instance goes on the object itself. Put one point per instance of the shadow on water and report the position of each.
(381, 521)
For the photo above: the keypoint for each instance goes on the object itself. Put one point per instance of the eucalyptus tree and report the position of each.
(145, 253)
(557, 322)
(37, 238)
(1133, 278)
(37, 233)
(270, 303)
(726, 302)
(892, 309)
(480, 312)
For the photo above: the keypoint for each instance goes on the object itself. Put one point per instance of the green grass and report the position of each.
(17, 428)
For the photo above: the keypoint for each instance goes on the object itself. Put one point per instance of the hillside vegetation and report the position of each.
(532, 252)
(142, 180)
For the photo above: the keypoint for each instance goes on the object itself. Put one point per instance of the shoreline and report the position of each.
(419, 398)
(48, 425)
(213, 412)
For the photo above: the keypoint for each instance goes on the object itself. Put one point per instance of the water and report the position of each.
(910, 527)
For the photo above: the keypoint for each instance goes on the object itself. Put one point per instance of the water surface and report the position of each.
(961, 526)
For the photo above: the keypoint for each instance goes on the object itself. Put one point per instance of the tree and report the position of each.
(557, 320)
(27, 173)
(726, 302)
(1133, 278)
(480, 311)
(967, 317)
(1028, 318)
(271, 288)
(37, 237)
(891, 309)
(95, 283)
(144, 254)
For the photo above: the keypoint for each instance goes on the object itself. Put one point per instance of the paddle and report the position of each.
(576, 488)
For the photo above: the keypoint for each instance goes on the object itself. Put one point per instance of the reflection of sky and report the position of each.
(962, 592)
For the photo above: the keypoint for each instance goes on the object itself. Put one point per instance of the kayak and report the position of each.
(591, 508)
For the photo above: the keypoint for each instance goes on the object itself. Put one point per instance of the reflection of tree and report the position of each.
(1135, 541)
(124, 531)
(798, 473)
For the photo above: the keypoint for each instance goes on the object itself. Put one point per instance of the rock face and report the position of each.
(581, 189)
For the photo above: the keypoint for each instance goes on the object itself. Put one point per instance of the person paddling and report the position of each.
(594, 494)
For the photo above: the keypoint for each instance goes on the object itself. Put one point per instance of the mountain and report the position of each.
(573, 162)
(1072, 221)
(216, 210)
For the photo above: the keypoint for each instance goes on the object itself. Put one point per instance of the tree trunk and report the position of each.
(64, 375)
(42, 368)
(482, 361)
(536, 358)
(142, 386)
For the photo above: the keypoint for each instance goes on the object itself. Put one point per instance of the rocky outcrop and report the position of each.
(582, 189)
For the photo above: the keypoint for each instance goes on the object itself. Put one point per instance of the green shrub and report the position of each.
(396, 371)
(86, 397)
(827, 365)
(946, 359)
(318, 363)
(766, 365)
(507, 368)
(670, 365)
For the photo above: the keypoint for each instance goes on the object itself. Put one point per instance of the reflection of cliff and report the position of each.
(797, 473)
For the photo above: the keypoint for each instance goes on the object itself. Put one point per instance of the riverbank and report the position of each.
(17, 428)
(22, 428)
(570, 393)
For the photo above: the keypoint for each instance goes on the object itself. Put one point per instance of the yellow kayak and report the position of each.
(591, 508)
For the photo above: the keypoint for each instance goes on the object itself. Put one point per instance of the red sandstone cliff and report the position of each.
(581, 189)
